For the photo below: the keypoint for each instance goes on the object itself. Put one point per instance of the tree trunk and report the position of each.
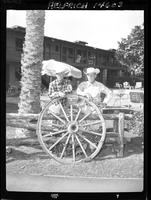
(31, 62)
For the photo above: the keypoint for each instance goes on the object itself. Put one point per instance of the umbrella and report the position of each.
(51, 67)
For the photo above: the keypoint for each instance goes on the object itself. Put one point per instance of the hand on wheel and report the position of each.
(61, 94)
(89, 97)
(56, 95)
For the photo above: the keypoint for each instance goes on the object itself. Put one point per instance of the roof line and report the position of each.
(23, 31)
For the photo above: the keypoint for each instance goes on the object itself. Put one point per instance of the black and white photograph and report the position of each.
(75, 101)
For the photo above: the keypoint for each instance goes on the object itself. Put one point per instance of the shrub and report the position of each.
(136, 124)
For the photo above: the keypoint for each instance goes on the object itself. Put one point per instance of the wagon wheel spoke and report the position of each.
(92, 144)
(57, 125)
(64, 112)
(85, 117)
(58, 141)
(57, 117)
(81, 146)
(55, 133)
(71, 112)
(91, 123)
(64, 148)
(73, 148)
(78, 114)
(91, 132)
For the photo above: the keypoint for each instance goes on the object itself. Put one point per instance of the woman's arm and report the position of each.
(52, 92)
(68, 88)
(80, 89)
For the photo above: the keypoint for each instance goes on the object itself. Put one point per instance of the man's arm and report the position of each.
(108, 94)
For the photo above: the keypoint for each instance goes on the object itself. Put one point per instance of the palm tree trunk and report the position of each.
(31, 63)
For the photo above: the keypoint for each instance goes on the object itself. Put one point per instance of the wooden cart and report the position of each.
(77, 132)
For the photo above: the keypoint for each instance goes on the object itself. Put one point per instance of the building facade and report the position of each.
(77, 54)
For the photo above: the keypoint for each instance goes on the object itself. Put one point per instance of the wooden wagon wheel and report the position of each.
(73, 135)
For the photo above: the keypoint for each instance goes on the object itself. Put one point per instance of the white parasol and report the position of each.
(51, 67)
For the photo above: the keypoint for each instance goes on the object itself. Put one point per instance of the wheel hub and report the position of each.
(73, 127)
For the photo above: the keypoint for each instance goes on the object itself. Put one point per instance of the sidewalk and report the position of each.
(39, 183)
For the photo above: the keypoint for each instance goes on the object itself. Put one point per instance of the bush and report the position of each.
(136, 124)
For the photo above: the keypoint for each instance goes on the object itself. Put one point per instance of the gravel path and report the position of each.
(130, 167)
(28, 157)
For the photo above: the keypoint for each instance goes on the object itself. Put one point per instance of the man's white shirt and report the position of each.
(94, 89)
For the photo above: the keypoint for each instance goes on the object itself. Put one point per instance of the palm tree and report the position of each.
(31, 62)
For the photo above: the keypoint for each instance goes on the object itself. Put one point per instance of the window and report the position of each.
(18, 73)
(57, 48)
(89, 54)
(112, 73)
(64, 50)
(107, 58)
(70, 53)
(47, 51)
(84, 57)
(79, 52)
(81, 56)
(102, 59)
(19, 44)
(111, 60)
(64, 54)
(78, 56)
(64, 58)
(91, 58)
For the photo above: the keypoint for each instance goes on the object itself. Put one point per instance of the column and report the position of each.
(104, 78)
(120, 73)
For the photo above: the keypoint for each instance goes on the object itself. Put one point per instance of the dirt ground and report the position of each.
(27, 157)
